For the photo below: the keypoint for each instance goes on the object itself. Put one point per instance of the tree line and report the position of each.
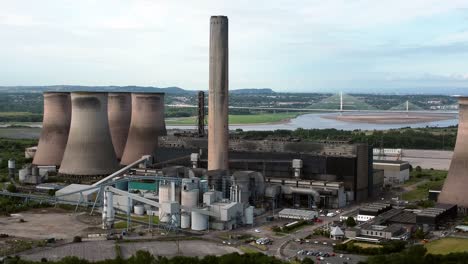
(423, 138)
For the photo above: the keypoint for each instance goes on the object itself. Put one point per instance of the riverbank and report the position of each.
(391, 118)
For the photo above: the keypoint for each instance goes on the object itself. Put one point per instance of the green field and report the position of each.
(435, 180)
(447, 245)
(239, 119)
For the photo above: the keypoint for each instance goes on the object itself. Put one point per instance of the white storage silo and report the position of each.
(190, 198)
(185, 220)
(139, 209)
(199, 221)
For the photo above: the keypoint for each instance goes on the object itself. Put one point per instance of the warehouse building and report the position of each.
(395, 171)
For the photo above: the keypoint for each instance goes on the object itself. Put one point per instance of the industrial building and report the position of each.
(456, 184)
(395, 171)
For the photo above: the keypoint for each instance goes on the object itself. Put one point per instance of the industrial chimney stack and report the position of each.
(456, 185)
(218, 127)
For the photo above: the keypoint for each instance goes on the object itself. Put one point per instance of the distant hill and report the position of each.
(253, 91)
(152, 89)
(69, 88)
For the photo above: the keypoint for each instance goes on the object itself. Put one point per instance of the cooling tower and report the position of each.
(146, 125)
(218, 127)
(120, 112)
(55, 127)
(456, 185)
(89, 150)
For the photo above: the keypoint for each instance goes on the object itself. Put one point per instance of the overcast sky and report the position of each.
(300, 45)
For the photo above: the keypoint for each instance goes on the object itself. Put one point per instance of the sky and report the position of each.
(289, 46)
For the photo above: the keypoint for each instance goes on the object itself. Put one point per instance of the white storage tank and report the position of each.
(185, 220)
(165, 193)
(190, 198)
(249, 215)
(199, 221)
(11, 164)
(139, 209)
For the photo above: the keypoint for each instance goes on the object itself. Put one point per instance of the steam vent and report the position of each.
(89, 150)
(120, 112)
(218, 127)
(455, 190)
(147, 124)
(55, 128)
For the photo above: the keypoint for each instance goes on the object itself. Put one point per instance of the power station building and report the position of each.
(336, 173)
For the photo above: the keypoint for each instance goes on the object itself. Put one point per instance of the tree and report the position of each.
(307, 261)
(11, 188)
(419, 234)
(418, 169)
(350, 222)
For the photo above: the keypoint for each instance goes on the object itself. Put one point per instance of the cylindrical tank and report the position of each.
(55, 129)
(249, 215)
(165, 193)
(11, 164)
(147, 124)
(139, 209)
(218, 127)
(185, 220)
(120, 112)
(199, 221)
(89, 150)
(190, 198)
(108, 213)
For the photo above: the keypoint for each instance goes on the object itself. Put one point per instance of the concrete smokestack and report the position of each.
(218, 127)
(455, 186)
(55, 128)
(89, 150)
(120, 112)
(146, 126)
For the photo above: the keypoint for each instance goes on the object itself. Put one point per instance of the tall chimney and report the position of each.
(218, 127)
(455, 186)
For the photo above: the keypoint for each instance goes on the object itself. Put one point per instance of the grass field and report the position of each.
(248, 250)
(447, 245)
(123, 224)
(435, 180)
(239, 119)
(367, 245)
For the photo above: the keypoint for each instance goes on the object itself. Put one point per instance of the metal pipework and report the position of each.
(218, 127)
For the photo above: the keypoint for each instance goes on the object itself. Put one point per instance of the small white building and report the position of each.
(395, 171)
(336, 233)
